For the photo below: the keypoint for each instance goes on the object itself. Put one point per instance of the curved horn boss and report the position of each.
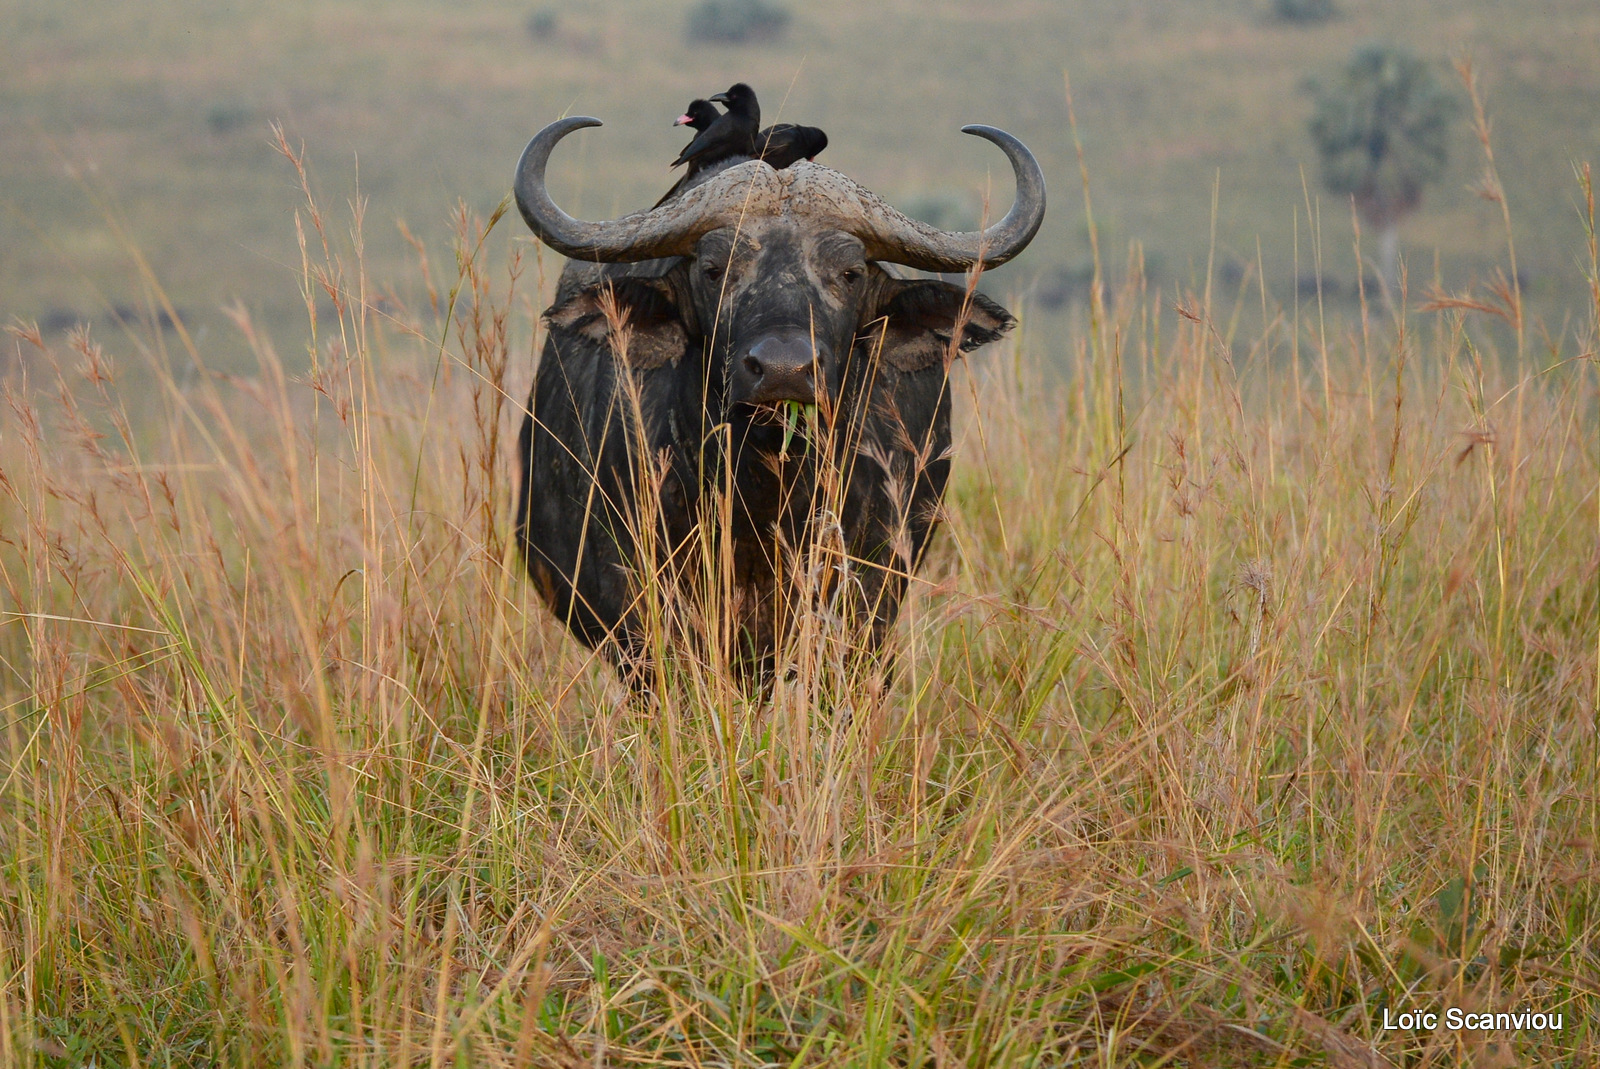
(808, 189)
(763, 297)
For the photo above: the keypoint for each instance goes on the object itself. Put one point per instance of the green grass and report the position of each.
(436, 100)
(1250, 689)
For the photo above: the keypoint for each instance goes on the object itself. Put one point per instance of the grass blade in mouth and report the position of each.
(797, 418)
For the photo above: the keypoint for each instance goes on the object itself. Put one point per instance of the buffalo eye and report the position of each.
(850, 275)
(712, 269)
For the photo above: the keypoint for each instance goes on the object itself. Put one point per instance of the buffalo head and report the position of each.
(783, 273)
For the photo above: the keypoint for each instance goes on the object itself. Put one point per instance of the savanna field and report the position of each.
(1250, 691)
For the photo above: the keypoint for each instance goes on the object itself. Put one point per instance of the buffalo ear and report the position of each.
(917, 320)
(636, 317)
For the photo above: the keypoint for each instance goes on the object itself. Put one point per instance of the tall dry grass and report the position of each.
(1251, 689)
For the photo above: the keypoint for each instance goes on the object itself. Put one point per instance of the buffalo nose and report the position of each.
(779, 367)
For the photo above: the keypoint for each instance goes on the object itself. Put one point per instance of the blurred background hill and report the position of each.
(155, 116)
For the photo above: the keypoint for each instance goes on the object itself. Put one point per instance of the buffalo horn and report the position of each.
(809, 191)
(893, 236)
(670, 230)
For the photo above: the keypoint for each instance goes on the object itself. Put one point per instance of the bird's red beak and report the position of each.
(682, 120)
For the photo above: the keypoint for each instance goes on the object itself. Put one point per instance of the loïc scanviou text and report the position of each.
(1456, 1019)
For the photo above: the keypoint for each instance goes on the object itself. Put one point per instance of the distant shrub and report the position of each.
(226, 118)
(541, 24)
(59, 320)
(1304, 11)
(737, 21)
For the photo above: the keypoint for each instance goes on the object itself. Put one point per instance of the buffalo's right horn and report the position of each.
(893, 236)
(670, 230)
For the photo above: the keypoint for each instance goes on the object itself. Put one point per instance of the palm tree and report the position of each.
(1383, 130)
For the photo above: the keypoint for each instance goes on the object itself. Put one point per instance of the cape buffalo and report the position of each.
(737, 398)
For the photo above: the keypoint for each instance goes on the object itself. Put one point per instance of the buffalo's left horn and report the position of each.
(670, 230)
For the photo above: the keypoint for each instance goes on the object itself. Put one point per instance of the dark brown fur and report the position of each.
(640, 412)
